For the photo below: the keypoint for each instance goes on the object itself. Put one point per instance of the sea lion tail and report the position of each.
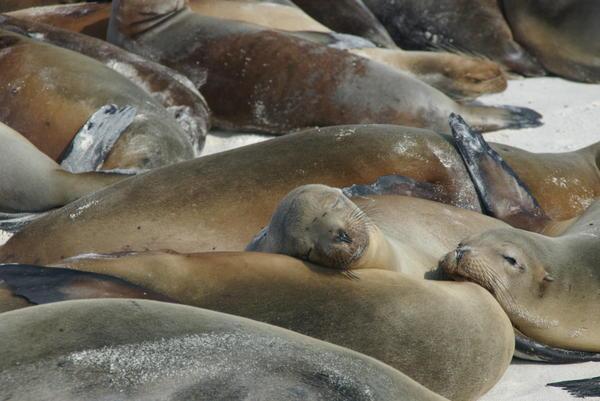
(94, 141)
(529, 349)
(488, 118)
(580, 388)
(502, 193)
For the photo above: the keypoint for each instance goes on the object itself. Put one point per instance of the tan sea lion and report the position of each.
(189, 207)
(562, 35)
(451, 337)
(333, 87)
(147, 350)
(32, 182)
(447, 25)
(174, 91)
(322, 225)
(61, 88)
(549, 285)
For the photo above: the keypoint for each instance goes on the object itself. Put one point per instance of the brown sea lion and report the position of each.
(189, 207)
(147, 350)
(348, 16)
(562, 35)
(174, 91)
(318, 87)
(547, 284)
(61, 88)
(455, 24)
(451, 337)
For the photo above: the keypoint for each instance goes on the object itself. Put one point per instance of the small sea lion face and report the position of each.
(505, 263)
(321, 225)
(472, 77)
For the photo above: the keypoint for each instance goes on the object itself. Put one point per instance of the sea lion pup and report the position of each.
(562, 35)
(189, 207)
(322, 225)
(141, 350)
(32, 182)
(319, 86)
(451, 337)
(174, 91)
(62, 88)
(548, 285)
(444, 24)
(348, 16)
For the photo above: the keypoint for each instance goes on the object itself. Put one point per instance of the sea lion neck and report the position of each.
(131, 18)
(379, 254)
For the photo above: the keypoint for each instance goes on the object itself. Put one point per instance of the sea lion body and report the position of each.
(455, 24)
(33, 182)
(62, 89)
(410, 324)
(147, 350)
(319, 87)
(174, 91)
(549, 286)
(189, 207)
(562, 35)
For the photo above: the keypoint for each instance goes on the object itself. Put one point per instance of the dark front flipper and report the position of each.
(94, 141)
(398, 185)
(500, 190)
(42, 285)
(580, 388)
(529, 349)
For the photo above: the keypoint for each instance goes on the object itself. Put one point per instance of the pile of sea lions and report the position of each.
(377, 248)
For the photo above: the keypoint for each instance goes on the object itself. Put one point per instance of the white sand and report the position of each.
(571, 120)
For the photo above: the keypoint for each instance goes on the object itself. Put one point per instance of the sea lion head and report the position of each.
(509, 263)
(319, 224)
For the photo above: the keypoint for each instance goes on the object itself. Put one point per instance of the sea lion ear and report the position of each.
(548, 278)
(502, 193)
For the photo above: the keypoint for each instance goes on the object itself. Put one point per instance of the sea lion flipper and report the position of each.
(91, 145)
(395, 185)
(42, 285)
(529, 349)
(14, 222)
(580, 388)
(500, 190)
(334, 39)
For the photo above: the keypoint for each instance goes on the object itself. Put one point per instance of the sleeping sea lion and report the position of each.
(147, 350)
(455, 25)
(451, 337)
(174, 91)
(562, 35)
(318, 86)
(189, 207)
(61, 88)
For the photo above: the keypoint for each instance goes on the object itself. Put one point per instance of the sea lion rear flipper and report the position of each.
(41, 285)
(94, 141)
(531, 350)
(502, 193)
(396, 185)
(580, 388)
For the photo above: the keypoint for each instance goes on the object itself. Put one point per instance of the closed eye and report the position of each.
(510, 260)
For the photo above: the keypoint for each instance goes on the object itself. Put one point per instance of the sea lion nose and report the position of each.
(459, 253)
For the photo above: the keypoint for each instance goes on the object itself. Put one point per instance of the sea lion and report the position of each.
(142, 350)
(348, 16)
(87, 18)
(547, 284)
(62, 88)
(451, 337)
(459, 76)
(319, 86)
(32, 182)
(446, 25)
(189, 207)
(322, 225)
(174, 91)
(562, 35)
